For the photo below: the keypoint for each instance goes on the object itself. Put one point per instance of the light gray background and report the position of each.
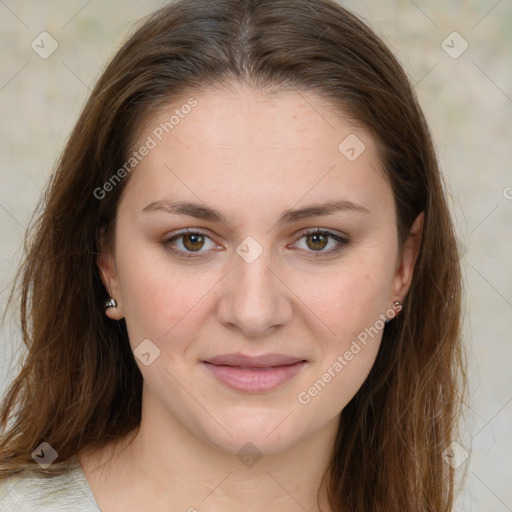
(468, 102)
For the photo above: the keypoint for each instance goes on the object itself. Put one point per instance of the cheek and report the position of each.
(344, 375)
(351, 304)
(349, 299)
(157, 295)
(346, 351)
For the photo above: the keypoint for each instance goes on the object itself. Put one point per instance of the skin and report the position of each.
(251, 156)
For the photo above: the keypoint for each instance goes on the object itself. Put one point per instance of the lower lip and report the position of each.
(254, 380)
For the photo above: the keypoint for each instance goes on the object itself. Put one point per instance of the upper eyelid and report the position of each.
(190, 231)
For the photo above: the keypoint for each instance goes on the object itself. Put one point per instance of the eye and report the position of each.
(190, 242)
(317, 240)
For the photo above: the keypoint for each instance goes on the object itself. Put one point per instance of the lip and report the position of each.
(254, 374)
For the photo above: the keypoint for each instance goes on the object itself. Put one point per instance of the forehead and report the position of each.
(238, 116)
(240, 146)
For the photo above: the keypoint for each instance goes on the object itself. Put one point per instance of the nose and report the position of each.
(254, 298)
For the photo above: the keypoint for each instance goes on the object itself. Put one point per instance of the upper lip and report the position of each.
(245, 361)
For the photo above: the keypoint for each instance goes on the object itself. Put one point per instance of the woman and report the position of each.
(243, 290)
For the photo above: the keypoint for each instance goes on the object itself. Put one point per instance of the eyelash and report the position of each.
(341, 240)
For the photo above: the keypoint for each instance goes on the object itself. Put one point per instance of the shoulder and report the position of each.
(26, 492)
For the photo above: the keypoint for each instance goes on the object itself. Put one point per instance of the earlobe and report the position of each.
(405, 269)
(106, 267)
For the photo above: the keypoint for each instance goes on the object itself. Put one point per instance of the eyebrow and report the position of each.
(201, 211)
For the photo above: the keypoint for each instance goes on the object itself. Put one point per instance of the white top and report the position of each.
(30, 492)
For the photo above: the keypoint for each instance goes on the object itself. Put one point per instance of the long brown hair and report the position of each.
(79, 385)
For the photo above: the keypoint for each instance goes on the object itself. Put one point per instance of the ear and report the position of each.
(108, 273)
(405, 267)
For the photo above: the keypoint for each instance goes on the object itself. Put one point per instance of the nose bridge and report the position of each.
(256, 281)
(255, 300)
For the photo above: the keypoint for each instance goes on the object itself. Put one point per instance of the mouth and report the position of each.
(254, 374)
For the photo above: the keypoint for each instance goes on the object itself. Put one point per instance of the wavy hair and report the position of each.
(78, 383)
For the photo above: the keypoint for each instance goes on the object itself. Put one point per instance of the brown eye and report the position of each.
(191, 244)
(193, 241)
(317, 241)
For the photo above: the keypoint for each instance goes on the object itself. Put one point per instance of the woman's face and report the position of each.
(252, 327)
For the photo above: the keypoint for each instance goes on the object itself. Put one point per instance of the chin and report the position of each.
(258, 429)
(253, 443)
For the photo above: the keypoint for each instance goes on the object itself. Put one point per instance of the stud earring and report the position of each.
(111, 303)
(397, 307)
